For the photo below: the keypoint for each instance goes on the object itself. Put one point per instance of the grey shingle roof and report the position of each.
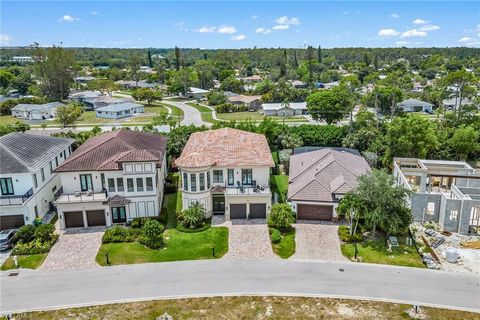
(414, 103)
(117, 107)
(37, 107)
(27, 153)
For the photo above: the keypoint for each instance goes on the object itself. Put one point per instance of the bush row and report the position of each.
(344, 234)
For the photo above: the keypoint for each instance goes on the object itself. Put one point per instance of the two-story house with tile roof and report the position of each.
(227, 171)
(28, 182)
(113, 178)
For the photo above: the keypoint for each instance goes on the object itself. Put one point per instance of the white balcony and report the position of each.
(79, 197)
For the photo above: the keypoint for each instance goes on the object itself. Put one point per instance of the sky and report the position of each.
(240, 24)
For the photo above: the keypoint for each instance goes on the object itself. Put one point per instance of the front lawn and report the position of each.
(286, 247)
(241, 116)
(178, 246)
(9, 119)
(205, 112)
(374, 251)
(28, 262)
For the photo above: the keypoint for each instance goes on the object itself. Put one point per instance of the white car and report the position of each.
(6, 238)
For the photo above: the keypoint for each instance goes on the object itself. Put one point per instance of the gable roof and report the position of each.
(37, 107)
(225, 147)
(243, 98)
(319, 175)
(117, 107)
(27, 153)
(109, 150)
(414, 103)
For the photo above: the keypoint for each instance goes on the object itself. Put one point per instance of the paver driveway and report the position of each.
(316, 241)
(247, 239)
(75, 249)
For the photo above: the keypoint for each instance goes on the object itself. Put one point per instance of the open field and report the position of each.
(249, 308)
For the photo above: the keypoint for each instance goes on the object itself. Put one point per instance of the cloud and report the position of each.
(206, 29)
(263, 30)
(240, 37)
(394, 16)
(281, 27)
(401, 43)
(287, 21)
(419, 21)
(227, 29)
(429, 28)
(94, 13)
(465, 40)
(181, 26)
(388, 33)
(5, 39)
(68, 18)
(254, 17)
(413, 33)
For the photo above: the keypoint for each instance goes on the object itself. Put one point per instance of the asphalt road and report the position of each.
(36, 290)
(191, 115)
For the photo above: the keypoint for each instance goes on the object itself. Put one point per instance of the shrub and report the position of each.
(152, 243)
(170, 188)
(120, 234)
(193, 217)
(137, 223)
(275, 235)
(205, 225)
(25, 234)
(344, 234)
(281, 217)
(38, 221)
(44, 232)
(152, 228)
(36, 246)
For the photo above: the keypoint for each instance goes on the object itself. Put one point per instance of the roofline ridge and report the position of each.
(18, 159)
(315, 162)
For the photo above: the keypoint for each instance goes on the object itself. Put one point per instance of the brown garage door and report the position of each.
(314, 212)
(73, 219)
(11, 222)
(96, 218)
(238, 211)
(258, 211)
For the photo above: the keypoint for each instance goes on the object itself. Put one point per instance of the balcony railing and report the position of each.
(16, 200)
(246, 190)
(88, 196)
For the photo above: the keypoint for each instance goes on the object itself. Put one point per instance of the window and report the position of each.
(185, 181)
(61, 155)
(430, 208)
(65, 154)
(56, 162)
(111, 184)
(149, 183)
(86, 182)
(139, 184)
(6, 186)
(453, 214)
(35, 182)
(51, 166)
(54, 189)
(247, 176)
(230, 177)
(102, 178)
(130, 187)
(35, 209)
(193, 180)
(118, 214)
(201, 178)
(120, 184)
(42, 174)
(208, 180)
(217, 176)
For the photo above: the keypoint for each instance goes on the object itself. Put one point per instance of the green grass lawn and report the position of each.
(374, 251)
(9, 119)
(206, 112)
(241, 116)
(286, 247)
(279, 184)
(28, 262)
(90, 117)
(176, 111)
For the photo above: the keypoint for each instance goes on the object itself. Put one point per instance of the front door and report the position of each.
(219, 205)
(119, 215)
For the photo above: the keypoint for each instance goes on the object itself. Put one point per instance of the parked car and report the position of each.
(6, 238)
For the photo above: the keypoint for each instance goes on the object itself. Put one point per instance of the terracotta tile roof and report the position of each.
(109, 150)
(243, 98)
(226, 147)
(318, 175)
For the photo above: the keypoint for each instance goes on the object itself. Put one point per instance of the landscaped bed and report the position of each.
(286, 247)
(281, 231)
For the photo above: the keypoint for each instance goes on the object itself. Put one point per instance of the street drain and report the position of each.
(13, 274)
(341, 270)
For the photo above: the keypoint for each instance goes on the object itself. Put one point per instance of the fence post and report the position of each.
(106, 256)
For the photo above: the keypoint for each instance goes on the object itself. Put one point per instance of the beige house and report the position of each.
(227, 171)
(252, 102)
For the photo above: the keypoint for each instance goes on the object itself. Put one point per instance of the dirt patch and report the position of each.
(250, 308)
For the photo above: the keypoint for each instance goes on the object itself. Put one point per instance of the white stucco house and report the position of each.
(36, 111)
(28, 183)
(415, 105)
(284, 109)
(227, 171)
(119, 110)
(112, 178)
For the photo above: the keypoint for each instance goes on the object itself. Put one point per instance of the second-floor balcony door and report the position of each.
(86, 182)
(247, 176)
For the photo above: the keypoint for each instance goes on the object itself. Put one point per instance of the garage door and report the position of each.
(314, 212)
(73, 219)
(96, 218)
(258, 211)
(11, 222)
(238, 211)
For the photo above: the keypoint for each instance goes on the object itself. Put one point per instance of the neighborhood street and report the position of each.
(36, 290)
(191, 115)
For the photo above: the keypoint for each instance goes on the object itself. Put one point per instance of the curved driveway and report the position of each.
(191, 115)
(36, 290)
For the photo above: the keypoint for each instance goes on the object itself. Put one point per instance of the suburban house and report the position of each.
(197, 93)
(284, 110)
(447, 192)
(104, 100)
(131, 84)
(83, 79)
(112, 178)
(252, 102)
(227, 172)
(36, 111)
(22, 59)
(318, 179)
(415, 105)
(119, 110)
(299, 84)
(453, 103)
(28, 182)
(251, 79)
